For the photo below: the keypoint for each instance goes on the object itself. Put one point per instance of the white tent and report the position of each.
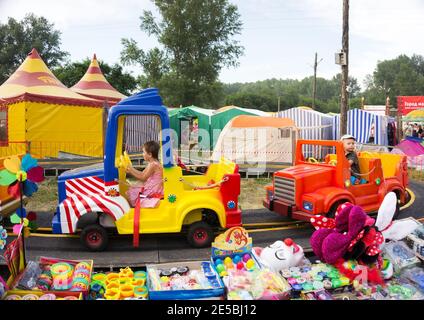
(255, 140)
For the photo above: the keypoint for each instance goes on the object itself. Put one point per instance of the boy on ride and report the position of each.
(349, 149)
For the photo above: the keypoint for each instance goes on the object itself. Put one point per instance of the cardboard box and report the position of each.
(156, 292)
(49, 260)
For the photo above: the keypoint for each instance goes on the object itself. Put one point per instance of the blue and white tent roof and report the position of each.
(359, 123)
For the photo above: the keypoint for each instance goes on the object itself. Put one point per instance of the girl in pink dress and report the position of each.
(150, 187)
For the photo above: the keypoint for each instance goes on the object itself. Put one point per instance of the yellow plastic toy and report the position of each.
(126, 291)
(112, 294)
(126, 273)
(123, 161)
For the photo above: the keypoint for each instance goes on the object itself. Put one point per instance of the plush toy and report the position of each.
(355, 235)
(280, 255)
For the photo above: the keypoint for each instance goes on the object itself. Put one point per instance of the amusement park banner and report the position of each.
(406, 104)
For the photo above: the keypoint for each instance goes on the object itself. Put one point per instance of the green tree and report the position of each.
(17, 38)
(197, 38)
(72, 72)
(251, 100)
(403, 76)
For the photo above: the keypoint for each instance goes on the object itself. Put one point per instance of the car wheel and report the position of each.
(94, 237)
(332, 212)
(200, 234)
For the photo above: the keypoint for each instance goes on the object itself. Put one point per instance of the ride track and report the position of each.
(250, 227)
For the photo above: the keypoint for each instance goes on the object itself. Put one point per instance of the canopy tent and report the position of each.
(414, 151)
(411, 148)
(414, 116)
(312, 125)
(94, 85)
(255, 140)
(45, 117)
(359, 124)
(183, 121)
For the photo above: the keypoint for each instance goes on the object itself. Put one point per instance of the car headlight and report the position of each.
(308, 205)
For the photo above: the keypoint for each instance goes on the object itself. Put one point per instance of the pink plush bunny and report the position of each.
(354, 235)
(331, 244)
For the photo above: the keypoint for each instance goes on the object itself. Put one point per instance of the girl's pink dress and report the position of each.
(152, 189)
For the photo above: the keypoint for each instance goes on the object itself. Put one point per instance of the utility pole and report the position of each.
(314, 87)
(278, 103)
(345, 69)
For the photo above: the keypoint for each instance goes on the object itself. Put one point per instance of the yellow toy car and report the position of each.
(93, 198)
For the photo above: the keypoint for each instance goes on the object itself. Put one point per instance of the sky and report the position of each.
(280, 37)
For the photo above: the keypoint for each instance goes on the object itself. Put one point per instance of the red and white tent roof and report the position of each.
(94, 85)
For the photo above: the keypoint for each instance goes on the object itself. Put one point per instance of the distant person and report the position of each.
(415, 131)
(420, 131)
(408, 130)
(371, 139)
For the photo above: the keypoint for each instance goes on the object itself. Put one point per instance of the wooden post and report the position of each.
(345, 69)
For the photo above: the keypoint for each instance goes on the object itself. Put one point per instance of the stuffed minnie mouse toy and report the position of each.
(353, 235)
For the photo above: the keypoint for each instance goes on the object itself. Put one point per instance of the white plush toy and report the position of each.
(392, 230)
(280, 255)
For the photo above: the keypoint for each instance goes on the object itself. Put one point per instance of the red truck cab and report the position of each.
(320, 181)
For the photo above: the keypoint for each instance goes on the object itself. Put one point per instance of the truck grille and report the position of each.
(285, 189)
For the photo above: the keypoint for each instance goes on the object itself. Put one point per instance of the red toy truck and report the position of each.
(320, 181)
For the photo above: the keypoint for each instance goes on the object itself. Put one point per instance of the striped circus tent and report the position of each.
(359, 123)
(312, 125)
(94, 85)
(44, 117)
(138, 129)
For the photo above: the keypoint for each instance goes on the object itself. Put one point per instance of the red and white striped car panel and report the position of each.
(88, 195)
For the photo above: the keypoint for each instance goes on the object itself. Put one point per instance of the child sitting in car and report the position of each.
(349, 148)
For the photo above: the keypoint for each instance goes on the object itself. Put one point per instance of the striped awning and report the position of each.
(33, 81)
(312, 125)
(359, 123)
(94, 85)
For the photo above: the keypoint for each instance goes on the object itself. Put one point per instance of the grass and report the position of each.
(45, 199)
(417, 175)
(252, 192)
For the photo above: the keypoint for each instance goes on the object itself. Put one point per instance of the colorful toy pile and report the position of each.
(314, 277)
(224, 264)
(255, 285)
(123, 285)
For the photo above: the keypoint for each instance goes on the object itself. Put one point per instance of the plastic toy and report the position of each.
(400, 255)
(81, 277)
(3, 237)
(97, 290)
(112, 294)
(141, 292)
(233, 242)
(48, 296)
(197, 205)
(319, 186)
(280, 255)
(315, 277)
